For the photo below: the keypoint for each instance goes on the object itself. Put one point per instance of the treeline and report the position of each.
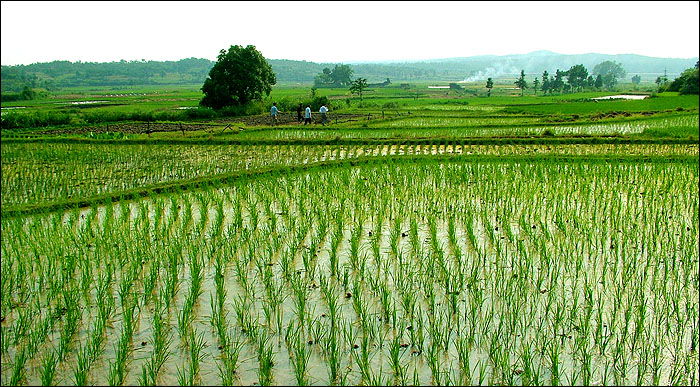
(55, 75)
(687, 83)
(605, 75)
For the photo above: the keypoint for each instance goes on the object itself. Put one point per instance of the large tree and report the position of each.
(577, 76)
(610, 71)
(557, 82)
(239, 76)
(340, 76)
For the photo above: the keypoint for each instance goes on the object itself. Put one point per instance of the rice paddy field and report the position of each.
(487, 242)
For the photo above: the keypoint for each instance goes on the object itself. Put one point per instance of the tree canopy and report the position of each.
(577, 76)
(687, 83)
(610, 72)
(340, 76)
(358, 85)
(239, 76)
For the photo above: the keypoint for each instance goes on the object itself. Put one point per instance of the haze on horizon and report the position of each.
(342, 32)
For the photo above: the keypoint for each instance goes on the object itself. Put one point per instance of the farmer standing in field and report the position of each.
(323, 111)
(299, 116)
(273, 113)
(307, 115)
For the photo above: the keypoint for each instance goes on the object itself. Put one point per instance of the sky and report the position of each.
(341, 32)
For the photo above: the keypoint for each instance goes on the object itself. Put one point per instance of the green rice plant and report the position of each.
(299, 355)
(434, 363)
(300, 289)
(230, 355)
(18, 370)
(48, 368)
(362, 358)
(183, 378)
(395, 360)
(161, 339)
(196, 344)
(265, 356)
(462, 345)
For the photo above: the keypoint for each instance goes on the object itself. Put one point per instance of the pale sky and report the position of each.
(335, 32)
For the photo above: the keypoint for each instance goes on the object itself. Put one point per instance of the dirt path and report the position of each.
(249, 121)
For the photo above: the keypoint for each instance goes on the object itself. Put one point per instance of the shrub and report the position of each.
(200, 112)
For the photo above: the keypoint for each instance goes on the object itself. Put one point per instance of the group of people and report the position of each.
(274, 111)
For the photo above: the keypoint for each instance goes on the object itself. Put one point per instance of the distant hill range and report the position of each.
(58, 74)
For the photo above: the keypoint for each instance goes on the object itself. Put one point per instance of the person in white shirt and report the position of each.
(273, 113)
(307, 115)
(323, 111)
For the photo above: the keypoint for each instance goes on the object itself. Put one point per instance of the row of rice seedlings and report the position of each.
(35, 173)
(161, 339)
(50, 181)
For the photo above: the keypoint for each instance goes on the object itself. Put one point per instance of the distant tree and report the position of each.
(535, 84)
(598, 82)
(239, 76)
(340, 76)
(611, 72)
(661, 82)
(558, 82)
(358, 85)
(636, 79)
(576, 77)
(610, 81)
(27, 94)
(521, 82)
(546, 84)
(456, 87)
(489, 85)
(590, 82)
(324, 78)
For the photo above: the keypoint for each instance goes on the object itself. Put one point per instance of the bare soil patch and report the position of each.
(249, 121)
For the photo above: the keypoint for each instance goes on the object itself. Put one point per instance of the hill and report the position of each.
(59, 74)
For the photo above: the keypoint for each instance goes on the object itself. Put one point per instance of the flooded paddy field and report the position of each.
(413, 272)
(421, 240)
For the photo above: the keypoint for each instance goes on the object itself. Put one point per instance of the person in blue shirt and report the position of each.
(307, 115)
(273, 113)
(323, 111)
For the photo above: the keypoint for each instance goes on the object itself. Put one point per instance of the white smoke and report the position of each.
(491, 72)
